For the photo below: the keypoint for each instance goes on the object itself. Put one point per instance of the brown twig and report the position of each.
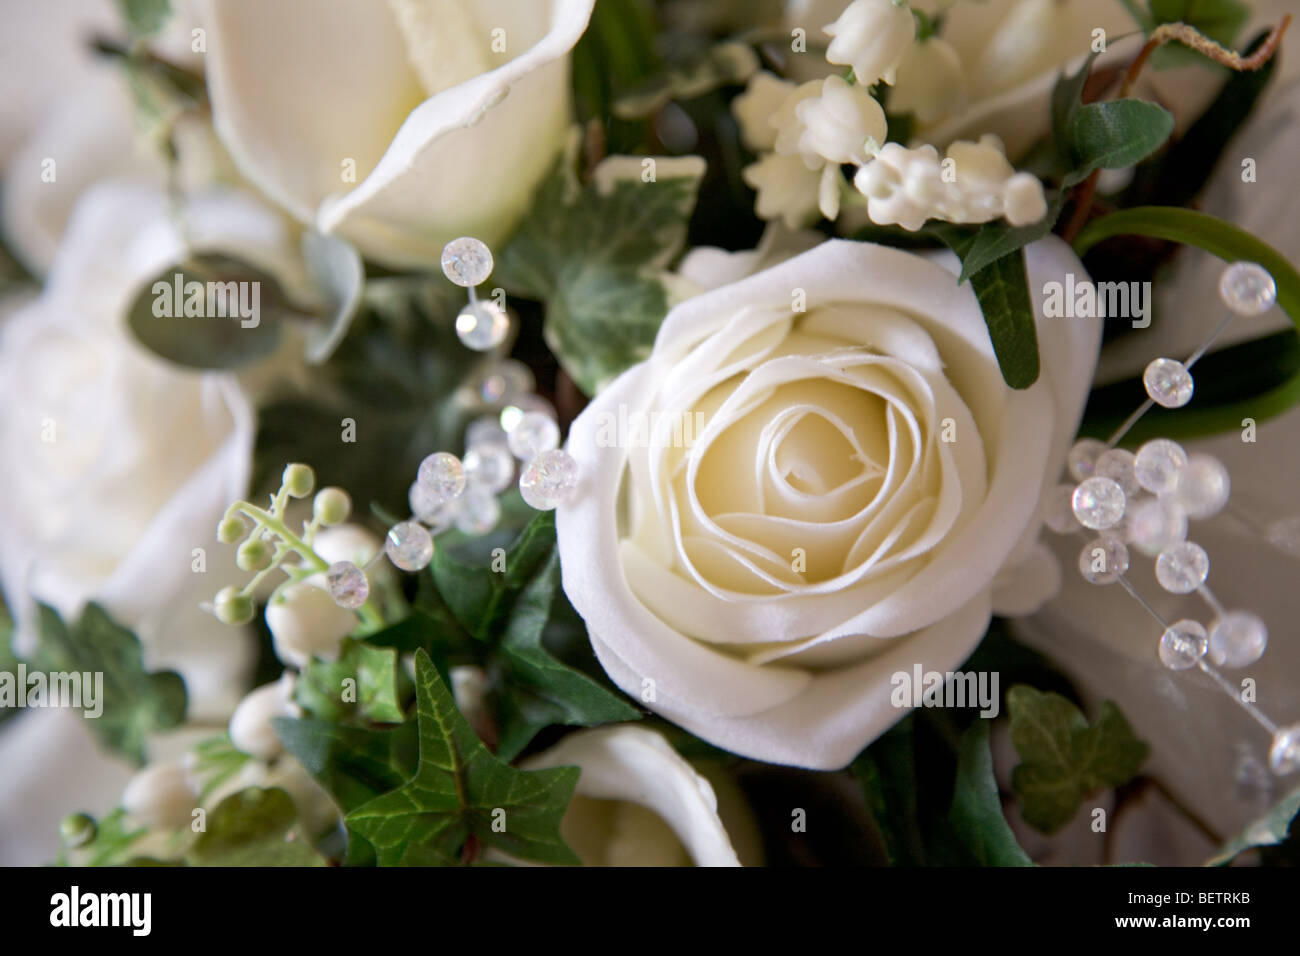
(1191, 37)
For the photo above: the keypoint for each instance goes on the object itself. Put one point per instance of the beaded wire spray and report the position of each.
(450, 491)
(1154, 492)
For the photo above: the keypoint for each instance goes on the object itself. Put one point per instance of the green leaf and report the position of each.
(976, 816)
(1063, 759)
(1002, 288)
(353, 764)
(723, 64)
(135, 702)
(595, 255)
(616, 52)
(144, 17)
(375, 689)
(254, 827)
(1220, 20)
(510, 610)
(1256, 395)
(1067, 98)
(216, 760)
(1140, 14)
(1003, 292)
(1269, 830)
(459, 791)
(539, 690)
(887, 773)
(210, 312)
(1115, 134)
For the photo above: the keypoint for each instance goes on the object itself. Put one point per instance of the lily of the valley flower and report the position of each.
(872, 36)
(813, 129)
(974, 183)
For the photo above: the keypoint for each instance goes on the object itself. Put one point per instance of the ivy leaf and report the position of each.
(975, 817)
(376, 688)
(1115, 134)
(254, 827)
(353, 764)
(1272, 828)
(595, 255)
(460, 790)
(135, 702)
(1063, 759)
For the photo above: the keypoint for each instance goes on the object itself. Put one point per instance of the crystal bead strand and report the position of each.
(1109, 498)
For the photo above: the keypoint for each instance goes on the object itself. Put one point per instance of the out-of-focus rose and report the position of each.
(121, 463)
(396, 125)
(780, 509)
(638, 802)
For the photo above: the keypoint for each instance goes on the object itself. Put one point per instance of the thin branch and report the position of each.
(1191, 37)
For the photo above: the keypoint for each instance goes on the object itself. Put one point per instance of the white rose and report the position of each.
(127, 462)
(1012, 53)
(761, 587)
(450, 112)
(638, 802)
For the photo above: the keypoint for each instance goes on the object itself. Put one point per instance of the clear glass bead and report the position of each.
(1058, 510)
(409, 545)
(1168, 383)
(1082, 459)
(521, 405)
(1285, 535)
(1203, 486)
(426, 507)
(505, 381)
(1103, 560)
(1158, 464)
(477, 510)
(489, 466)
(1098, 503)
(1182, 645)
(484, 430)
(482, 325)
(549, 480)
(1155, 524)
(1117, 465)
(442, 476)
(1284, 753)
(1183, 568)
(347, 585)
(1247, 288)
(466, 261)
(1238, 639)
(534, 434)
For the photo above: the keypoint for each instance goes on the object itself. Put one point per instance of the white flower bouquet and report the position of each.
(541, 432)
